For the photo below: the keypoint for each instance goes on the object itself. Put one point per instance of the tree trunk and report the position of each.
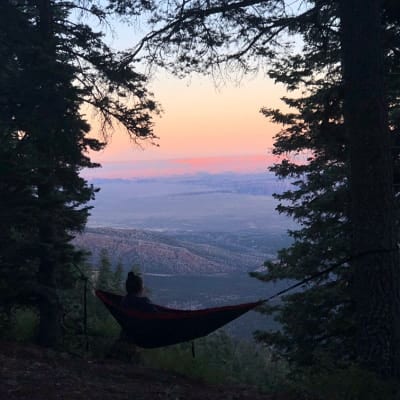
(376, 282)
(50, 311)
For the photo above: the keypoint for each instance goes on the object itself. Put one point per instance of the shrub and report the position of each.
(221, 359)
(348, 383)
(24, 324)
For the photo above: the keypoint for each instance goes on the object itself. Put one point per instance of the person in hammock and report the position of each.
(135, 298)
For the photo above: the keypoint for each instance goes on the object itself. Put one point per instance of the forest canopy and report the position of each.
(341, 60)
(53, 63)
(343, 74)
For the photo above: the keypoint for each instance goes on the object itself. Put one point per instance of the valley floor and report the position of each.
(29, 372)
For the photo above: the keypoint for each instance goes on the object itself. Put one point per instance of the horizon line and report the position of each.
(181, 166)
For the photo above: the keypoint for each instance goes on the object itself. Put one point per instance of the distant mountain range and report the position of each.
(191, 224)
(181, 252)
(197, 203)
(265, 183)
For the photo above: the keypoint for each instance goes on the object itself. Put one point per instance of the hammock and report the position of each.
(168, 326)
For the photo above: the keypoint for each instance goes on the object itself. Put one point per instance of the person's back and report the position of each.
(138, 303)
(134, 298)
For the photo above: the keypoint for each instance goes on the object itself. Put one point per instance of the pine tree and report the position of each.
(317, 321)
(105, 278)
(194, 36)
(17, 197)
(54, 63)
(375, 276)
(118, 278)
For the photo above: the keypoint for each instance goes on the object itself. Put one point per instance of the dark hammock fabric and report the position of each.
(168, 326)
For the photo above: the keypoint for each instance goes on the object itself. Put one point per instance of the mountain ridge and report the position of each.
(157, 252)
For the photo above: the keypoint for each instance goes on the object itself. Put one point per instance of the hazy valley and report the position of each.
(194, 237)
(188, 224)
(203, 202)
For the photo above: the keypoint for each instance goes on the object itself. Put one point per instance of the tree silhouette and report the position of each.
(199, 36)
(53, 64)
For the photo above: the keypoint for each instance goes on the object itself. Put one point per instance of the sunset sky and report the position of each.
(204, 127)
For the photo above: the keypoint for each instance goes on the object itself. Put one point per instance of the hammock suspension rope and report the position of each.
(193, 321)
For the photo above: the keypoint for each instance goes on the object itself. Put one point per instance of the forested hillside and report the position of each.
(181, 252)
(66, 87)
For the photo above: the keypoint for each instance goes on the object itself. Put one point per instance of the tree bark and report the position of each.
(376, 275)
(50, 312)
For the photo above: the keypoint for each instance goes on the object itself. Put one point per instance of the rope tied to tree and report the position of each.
(328, 270)
(318, 274)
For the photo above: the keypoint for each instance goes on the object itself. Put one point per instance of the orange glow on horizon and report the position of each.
(183, 166)
(202, 126)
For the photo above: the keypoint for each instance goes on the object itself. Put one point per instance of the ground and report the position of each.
(29, 372)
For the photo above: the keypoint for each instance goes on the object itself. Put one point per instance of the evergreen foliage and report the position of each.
(105, 276)
(317, 155)
(118, 278)
(222, 359)
(54, 63)
(319, 321)
(319, 318)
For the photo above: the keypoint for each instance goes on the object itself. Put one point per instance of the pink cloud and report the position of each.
(182, 166)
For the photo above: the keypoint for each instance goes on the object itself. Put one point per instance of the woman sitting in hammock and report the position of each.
(135, 298)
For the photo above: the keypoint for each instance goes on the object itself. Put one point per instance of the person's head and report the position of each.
(134, 284)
